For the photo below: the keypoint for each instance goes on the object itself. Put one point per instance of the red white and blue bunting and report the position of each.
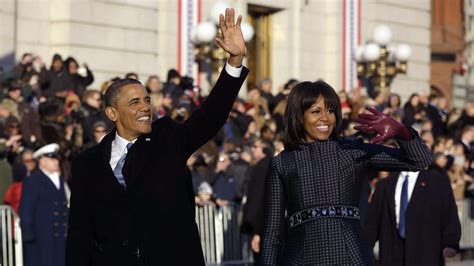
(351, 38)
(189, 15)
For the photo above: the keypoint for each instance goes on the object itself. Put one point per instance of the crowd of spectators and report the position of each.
(42, 104)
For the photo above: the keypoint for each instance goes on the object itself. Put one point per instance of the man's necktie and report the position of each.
(118, 168)
(403, 207)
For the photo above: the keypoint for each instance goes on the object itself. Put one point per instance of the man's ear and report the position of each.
(111, 113)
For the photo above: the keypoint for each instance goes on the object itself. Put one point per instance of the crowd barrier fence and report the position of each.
(219, 227)
(221, 240)
(466, 216)
(11, 244)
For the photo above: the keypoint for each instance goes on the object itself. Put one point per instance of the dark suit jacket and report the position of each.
(156, 211)
(432, 221)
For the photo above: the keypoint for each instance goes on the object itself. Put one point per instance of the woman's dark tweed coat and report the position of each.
(326, 173)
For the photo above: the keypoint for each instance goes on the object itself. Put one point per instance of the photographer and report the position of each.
(224, 186)
(91, 112)
(14, 140)
(24, 69)
(74, 81)
(28, 119)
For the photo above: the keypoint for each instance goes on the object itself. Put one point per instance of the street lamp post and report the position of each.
(380, 62)
(206, 49)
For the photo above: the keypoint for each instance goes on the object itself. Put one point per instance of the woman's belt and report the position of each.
(330, 211)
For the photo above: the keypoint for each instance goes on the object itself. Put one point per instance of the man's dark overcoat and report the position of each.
(155, 213)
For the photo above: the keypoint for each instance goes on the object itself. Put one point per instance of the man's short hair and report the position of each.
(111, 95)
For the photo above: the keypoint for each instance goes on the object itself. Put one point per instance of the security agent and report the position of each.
(44, 211)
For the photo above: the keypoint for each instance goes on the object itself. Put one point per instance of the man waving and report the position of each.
(132, 201)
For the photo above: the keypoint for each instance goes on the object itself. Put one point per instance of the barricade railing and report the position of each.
(219, 228)
(11, 244)
(466, 216)
(221, 240)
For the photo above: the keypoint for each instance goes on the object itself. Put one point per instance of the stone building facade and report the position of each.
(305, 37)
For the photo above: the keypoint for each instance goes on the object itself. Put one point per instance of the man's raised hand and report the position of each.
(232, 40)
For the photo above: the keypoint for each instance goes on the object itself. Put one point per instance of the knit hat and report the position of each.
(204, 187)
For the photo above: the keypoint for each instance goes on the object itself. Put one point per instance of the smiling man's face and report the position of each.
(132, 112)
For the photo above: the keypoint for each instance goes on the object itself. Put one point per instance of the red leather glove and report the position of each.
(382, 124)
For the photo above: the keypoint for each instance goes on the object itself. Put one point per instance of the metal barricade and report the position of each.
(205, 216)
(219, 228)
(11, 244)
(466, 216)
(221, 240)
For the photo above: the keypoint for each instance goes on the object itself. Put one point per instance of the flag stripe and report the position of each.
(350, 39)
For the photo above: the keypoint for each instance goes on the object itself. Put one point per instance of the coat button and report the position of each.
(56, 235)
(125, 243)
(56, 213)
(56, 203)
(56, 224)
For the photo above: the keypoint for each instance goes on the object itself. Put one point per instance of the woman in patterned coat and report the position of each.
(313, 187)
